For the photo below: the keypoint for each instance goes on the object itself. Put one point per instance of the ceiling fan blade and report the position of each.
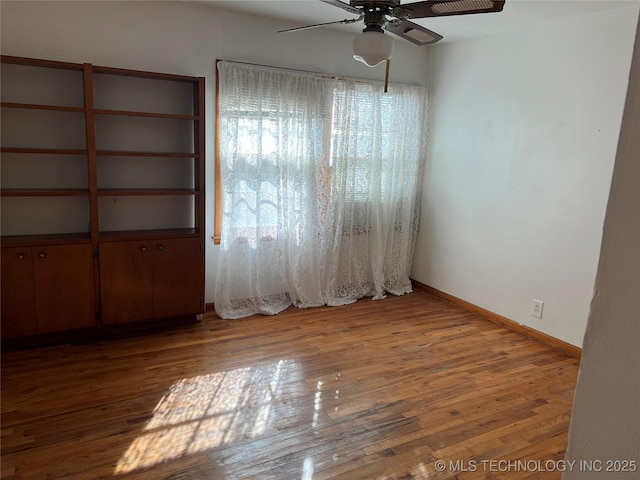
(413, 32)
(343, 6)
(306, 27)
(443, 8)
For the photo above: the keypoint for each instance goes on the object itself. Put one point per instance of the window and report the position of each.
(348, 120)
(318, 184)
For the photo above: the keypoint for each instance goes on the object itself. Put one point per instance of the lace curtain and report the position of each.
(321, 181)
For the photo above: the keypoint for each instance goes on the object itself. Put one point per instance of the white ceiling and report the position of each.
(517, 14)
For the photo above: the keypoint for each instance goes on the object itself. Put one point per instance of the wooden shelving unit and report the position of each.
(101, 156)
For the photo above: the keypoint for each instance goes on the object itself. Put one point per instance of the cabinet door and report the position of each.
(64, 287)
(178, 284)
(125, 281)
(18, 297)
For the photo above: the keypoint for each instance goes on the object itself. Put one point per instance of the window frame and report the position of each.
(218, 192)
(217, 181)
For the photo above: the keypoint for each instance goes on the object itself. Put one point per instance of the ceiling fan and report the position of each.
(372, 46)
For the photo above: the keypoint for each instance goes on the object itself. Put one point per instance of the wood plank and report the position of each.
(130, 113)
(122, 153)
(217, 171)
(368, 390)
(36, 62)
(144, 74)
(49, 239)
(44, 151)
(33, 106)
(125, 235)
(44, 192)
(92, 177)
(199, 142)
(145, 191)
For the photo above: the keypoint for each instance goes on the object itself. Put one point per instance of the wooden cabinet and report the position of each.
(63, 280)
(150, 279)
(18, 293)
(125, 281)
(177, 276)
(46, 289)
(99, 159)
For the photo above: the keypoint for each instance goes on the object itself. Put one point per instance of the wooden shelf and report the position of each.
(144, 234)
(116, 153)
(44, 151)
(168, 116)
(141, 74)
(36, 62)
(48, 239)
(33, 106)
(44, 192)
(116, 192)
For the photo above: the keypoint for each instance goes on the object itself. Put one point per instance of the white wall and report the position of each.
(524, 131)
(184, 38)
(605, 423)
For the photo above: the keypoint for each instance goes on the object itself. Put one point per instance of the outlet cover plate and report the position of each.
(537, 308)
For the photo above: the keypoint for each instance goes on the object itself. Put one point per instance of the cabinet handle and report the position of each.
(160, 247)
(21, 256)
(42, 254)
(143, 248)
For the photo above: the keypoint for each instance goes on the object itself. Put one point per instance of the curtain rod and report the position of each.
(319, 74)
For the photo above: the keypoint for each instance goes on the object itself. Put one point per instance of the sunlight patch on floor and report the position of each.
(307, 469)
(418, 472)
(317, 403)
(204, 412)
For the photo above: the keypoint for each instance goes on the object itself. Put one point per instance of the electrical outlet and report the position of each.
(537, 308)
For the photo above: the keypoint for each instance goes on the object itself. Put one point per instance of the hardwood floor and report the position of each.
(372, 390)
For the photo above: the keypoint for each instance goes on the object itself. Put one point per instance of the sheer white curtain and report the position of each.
(377, 148)
(321, 182)
(272, 139)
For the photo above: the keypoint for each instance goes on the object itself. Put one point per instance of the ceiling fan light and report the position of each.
(371, 48)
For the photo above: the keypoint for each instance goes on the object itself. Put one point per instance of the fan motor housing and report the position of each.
(383, 4)
(375, 12)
